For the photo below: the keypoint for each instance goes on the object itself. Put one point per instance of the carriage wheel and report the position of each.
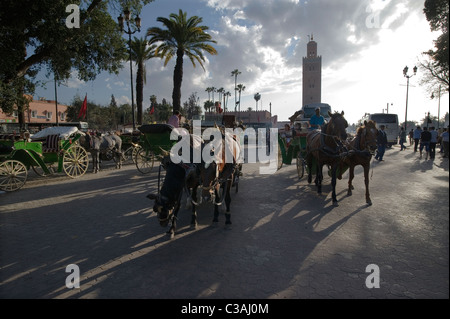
(130, 153)
(39, 171)
(280, 157)
(13, 175)
(75, 161)
(144, 161)
(301, 163)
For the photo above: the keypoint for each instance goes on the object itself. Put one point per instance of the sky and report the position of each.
(364, 45)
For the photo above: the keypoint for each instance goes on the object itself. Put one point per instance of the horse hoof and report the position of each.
(349, 193)
(194, 226)
(228, 227)
(335, 204)
(170, 234)
(369, 203)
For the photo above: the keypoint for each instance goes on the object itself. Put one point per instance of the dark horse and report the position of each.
(325, 147)
(361, 148)
(101, 145)
(178, 177)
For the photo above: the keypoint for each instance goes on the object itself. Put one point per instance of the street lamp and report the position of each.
(137, 22)
(405, 74)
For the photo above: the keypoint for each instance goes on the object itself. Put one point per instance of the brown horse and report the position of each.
(219, 174)
(325, 147)
(361, 148)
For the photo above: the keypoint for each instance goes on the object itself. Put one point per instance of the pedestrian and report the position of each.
(174, 120)
(416, 137)
(381, 143)
(411, 137)
(425, 138)
(444, 141)
(402, 137)
(317, 120)
(433, 142)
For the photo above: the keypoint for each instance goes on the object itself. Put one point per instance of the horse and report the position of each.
(325, 146)
(221, 174)
(179, 176)
(101, 146)
(361, 149)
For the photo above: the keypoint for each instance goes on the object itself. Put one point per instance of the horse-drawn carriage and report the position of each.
(42, 152)
(292, 144)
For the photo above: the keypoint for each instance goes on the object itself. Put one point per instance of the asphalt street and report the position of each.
(287, 242)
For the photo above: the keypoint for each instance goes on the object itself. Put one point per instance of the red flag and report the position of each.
(152, 110)
(83, 109)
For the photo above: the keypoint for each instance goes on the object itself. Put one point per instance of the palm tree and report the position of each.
(240, 88)
(235, 73)
(140, 52)
(209, 90)
(181, 36)
(225, 96)
(257, 96)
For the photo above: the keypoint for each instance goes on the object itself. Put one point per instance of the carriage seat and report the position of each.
(156, 128)
(51, 144)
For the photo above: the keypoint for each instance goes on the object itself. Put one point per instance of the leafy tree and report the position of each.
(140, 53)
(34, 35)
(436, 68)
(181, 36)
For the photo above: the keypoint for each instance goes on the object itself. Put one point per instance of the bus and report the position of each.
(389, 120)
(308, 110)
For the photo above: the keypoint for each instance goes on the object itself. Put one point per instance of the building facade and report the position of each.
(39, 111)
(312, 74)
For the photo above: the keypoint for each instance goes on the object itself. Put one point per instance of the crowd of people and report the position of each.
(425, 140)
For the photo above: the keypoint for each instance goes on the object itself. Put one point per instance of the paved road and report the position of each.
(286, 241)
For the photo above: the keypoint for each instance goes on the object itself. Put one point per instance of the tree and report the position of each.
(240, 88)
(140, 53)
(35, 35)
(235, 73)
(181, 36)
(436, 67)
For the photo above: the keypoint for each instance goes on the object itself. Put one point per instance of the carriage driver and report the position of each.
(316, 120)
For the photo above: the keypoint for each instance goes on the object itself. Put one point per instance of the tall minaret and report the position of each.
(312, 74)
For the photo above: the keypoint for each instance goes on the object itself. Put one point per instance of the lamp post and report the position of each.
(405, 74)
(137, 21)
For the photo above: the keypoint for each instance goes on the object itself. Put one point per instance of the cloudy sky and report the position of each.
(364, 47)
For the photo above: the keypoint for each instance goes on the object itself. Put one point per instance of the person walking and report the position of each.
(444, 141)
(402, 137)
(411, 137)
(381, 143)
(425, 138)
(433, 142)
(416, 137)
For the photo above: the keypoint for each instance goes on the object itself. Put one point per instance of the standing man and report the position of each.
(433, 142)
(381, 143)
(425, 138)
(402, 137)
(317, 120)
(411, 136)
(416, 137)
(174, 120)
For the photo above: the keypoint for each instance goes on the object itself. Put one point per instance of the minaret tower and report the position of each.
(312, 74)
